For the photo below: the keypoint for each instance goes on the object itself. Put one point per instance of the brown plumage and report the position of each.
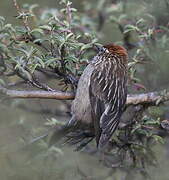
(100, 99)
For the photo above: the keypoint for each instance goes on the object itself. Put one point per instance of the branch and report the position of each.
(151, 98)
(37, 94)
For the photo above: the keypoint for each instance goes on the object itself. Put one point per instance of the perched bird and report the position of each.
(100, 99)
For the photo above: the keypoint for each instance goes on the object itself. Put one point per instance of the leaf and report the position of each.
(52, 60)
(39, 60)
(69, 3)
(38, 41)
(56, 150)
(63, 2)
(113, 19)
(33, 6)
(143, 132)
(28, 52)
(130, 27)
(69, 35)
(72, 58)
(33, 67)
(79, 36)
(46, 27)
(158, 139)
(121, 17)
(2, 18)
(150, 32)
(140, 21)
(138, 126)
(62, 43)
(86, 46)
(158, 101)
(38, 30)
(152, 122)
(94, 41)
(136, 79)
(73, 9)
(54, 121)
(2, 82)
(130, 64)
(76, 45)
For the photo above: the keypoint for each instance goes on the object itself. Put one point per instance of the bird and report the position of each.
(99, 101)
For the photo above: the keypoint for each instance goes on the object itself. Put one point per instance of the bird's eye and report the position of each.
(102, 49)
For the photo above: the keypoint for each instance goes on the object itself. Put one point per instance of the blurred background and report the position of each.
(23, 120)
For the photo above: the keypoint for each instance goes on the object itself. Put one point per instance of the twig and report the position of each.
(32, 79)
(69, 14)
(25, 20)
(69, 78)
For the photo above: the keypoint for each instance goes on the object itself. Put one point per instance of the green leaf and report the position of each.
(50, 61)
(69, 3)
(114, 19)
(158, 139)
(69, 36)
(138, 126)
(39, 60)
(33, 6)
(151, 121)
(130, 27)
(38, 40)
(73, 9)
(37, 30)
(2, 82)
(140, 21)
(85, 46)
(121, 17)
(143, 132)
(72, 58)
(2, 18)
(46, 27)
(94, 41)
(33, 67)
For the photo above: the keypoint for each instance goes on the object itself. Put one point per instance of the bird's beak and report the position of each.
(97, 47)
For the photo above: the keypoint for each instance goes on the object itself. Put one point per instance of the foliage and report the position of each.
(59, 43)
(55, 41)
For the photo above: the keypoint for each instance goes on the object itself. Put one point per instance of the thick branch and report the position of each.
(37, 94)
(151, 98)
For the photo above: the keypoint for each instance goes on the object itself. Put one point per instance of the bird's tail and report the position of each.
(59, 134)
(71, 134)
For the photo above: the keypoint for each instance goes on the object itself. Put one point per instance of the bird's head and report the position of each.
(116, 50)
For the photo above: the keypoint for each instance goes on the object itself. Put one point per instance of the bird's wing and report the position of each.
(107, 97)
(96, 111)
